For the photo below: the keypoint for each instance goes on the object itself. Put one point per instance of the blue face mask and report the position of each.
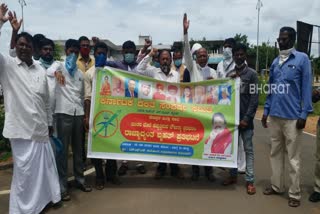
(71, 64)
(100, 60)
(129, 58)
(178, 62)
(44, 63)
(156, 64)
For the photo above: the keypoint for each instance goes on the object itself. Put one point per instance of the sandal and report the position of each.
(251, 190)
(270, 191)
(99, 184)
(293, 202)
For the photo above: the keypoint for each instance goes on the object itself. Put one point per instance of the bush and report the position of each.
(4, 142)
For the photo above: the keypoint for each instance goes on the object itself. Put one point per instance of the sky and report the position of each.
(121, 20)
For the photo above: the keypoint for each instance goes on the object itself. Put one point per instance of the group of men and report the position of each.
(43, 96)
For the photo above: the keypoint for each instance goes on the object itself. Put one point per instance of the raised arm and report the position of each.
(187, 52)
(143, 51)
(16, 25)
(144, 68)
(3, 20)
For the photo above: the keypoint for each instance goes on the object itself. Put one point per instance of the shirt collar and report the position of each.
(20, 62)
(81, 58)
(170, 73)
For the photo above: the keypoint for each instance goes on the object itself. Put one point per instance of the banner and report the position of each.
(304, 38)
(134, 117)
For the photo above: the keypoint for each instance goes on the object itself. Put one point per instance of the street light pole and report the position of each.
(268, 43)
(22, 3)
(259, 5)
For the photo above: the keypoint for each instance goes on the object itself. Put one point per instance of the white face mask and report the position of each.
(227, 53)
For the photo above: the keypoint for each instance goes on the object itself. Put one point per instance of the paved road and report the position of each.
(142, 194)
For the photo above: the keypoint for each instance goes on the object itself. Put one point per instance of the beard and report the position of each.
(165, 69)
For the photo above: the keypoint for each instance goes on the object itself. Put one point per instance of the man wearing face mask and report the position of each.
(248, 107)
(85, 61)
(177, 64)
(199, 71)
(164, 73)
(227, 64)
(110, 175)
(129, 63)
(69, 112)
(288, 113)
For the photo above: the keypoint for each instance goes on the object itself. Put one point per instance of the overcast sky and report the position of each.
(120, 20)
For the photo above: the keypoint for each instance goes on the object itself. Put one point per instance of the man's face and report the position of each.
(118, 84)
(187, 92)
(145, 89)
(239, 57)
(129, 50)
(218, 123)
(172, 92)
(72, 50)
(24, 49)
(224, 95)
(226, 45)
(213, 91)
(132, 85)
(202, 57)
(46, 52)
(165, 59)
(284, 41)
(100, 51)
(177, 55)
(199, 91)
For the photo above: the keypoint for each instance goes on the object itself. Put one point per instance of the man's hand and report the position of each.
(301, 123)
(153, 52)
(264, 121)
(51, 130)
(243, 124)
(233, 75)
(86, 124)
(15, 24)
(147, 43)
(186, 24)
(60, 77)
(3, 12)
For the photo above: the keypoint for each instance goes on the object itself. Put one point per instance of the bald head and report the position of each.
(202, 57)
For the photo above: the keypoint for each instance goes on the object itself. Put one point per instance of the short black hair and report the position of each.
(27, 36)
(72, 43)
(128, 45)
(165, 50)
(291, 31)
(37, 38)
(178, 51)
(230, 41)
(238, 47)
(46, 41)
(83, 38)
(100, 45)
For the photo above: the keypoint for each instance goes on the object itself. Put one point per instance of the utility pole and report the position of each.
(259, 5)
(268, 43)
(23, 4)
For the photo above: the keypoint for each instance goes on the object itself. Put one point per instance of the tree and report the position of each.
(58, 51)
(241, 39)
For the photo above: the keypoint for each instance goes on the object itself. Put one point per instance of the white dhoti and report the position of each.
(35, 180)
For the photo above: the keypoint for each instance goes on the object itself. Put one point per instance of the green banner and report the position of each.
(134, 117)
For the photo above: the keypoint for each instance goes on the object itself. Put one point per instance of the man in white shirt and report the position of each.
(27, 118)
(69, 112)
(227, 64)
(199, 71)
(164, 73)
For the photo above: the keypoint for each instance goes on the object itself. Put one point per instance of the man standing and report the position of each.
(227, 64)
(110, 175)
(177, 64)
(85, 61)
(248, 106)
(129, 63)
(199, 71)
(27, 118)
(164, 73)
(315, 196)
(288, 110)
(69, 112)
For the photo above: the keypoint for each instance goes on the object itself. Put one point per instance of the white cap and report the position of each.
(195, 47)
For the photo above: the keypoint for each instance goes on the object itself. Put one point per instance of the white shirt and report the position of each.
(26, 99)
(147, 70)
(222, 71)
(197, 73)
(68, 97)
(88, 78)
